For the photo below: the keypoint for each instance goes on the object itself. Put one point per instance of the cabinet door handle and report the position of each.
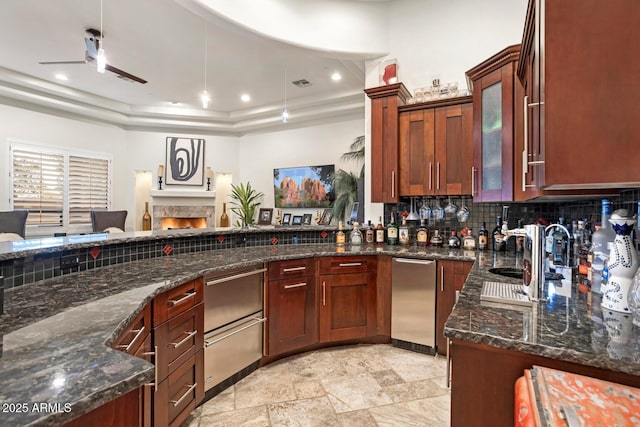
(297, 285)
(290, 269)
(186, 296)
(138, 333)
(448, 380)
(235, 276)
(525, 151)
(438, 173)
(393, 184)
(256, 321)
(430, 176)
(442, 279)
(185, 395)
(155, 350)
(473, 180)
(350, 264)
(185, 339)
(324, 293)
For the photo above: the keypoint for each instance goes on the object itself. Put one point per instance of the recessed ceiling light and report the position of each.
(62, 77)
(245, 97)
(336, 76)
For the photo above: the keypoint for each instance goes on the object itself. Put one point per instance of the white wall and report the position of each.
(318, 145)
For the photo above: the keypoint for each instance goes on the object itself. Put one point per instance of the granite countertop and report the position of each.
(566, 327)
(56, 334)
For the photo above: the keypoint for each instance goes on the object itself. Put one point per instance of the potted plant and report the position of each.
(347, 185)
(245, 202)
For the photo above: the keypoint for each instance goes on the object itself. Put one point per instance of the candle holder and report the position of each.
(160, 183)
(208, 184)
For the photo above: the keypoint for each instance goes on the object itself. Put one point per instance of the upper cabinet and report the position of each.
(419, 149)
(385, 101)
(580, 93)
(495, 91)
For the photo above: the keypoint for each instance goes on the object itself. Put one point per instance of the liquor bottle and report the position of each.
(422, 233)
(224, 218)
(519, 245)
(483, 237)
(340, 236)
(498, 238)
(392, 231)
(146, 218)
(436, 239)
(454, 240)
(356, 235)
(403, 233)
(469, 242)
(370, 234)
(599, 250)
(380, 232)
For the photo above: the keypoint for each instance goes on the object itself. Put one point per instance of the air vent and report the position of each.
(302, 83)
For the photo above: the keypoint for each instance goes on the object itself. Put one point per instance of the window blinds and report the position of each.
(88, 187)
(38, 185)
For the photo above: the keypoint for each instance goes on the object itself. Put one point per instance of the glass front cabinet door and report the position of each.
(494, 86)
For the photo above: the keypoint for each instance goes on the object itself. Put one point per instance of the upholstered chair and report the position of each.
(108, 221)
(13, 225)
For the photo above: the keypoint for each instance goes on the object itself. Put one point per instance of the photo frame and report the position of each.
(297, 220)
(354, 213)
(264, 216)
(306, 219)
(286, 218)
(327, 216)
(184, 161)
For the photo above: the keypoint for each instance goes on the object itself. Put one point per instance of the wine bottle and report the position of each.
(340, 236)
(483, 237)
(224, 218)
(498, 238)
(146, 218)
(403, 233)
(422, 234)
(380, 232)
(370, 234)
(392, 231)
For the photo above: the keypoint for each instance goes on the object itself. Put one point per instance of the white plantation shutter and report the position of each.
(88, 187)
(38, 185)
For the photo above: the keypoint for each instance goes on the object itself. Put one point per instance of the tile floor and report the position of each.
(361, 385)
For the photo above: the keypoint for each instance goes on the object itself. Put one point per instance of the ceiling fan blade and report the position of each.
(124, 74)
(62, 62)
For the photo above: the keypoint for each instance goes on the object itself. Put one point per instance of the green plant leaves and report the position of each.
(246, 201)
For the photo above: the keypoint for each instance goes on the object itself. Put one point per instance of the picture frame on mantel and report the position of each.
(184, 161)
(264, 216)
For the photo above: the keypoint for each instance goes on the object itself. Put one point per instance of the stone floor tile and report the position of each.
(223, 402)
(405, 392)
(315, 412)
(246, 417)
(356, 392)
(308, 389)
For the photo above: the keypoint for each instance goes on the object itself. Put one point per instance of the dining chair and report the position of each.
(13, 224)
(108, 221)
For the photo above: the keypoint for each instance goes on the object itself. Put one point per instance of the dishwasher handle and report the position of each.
(257, 322)
(414, 261)
(235, 276)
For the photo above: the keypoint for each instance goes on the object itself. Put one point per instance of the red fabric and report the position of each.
(523, 411)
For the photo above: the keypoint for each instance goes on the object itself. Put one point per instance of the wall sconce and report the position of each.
(160, 173)
(209, 176)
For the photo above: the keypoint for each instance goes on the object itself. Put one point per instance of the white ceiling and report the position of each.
(163, 42)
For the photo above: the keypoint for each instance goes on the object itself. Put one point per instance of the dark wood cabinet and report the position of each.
(435, 146)
(292, 310)
(385, 101)
(347, 298)
(450, 280)
(496, 91)
(125, 410)
(581, 91)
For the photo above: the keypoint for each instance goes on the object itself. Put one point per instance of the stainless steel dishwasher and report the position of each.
(413, 304)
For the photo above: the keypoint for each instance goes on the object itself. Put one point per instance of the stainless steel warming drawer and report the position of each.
(233, 322)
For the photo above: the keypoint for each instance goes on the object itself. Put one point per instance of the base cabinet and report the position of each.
(347, 298)
(291, 308)
(450, 280)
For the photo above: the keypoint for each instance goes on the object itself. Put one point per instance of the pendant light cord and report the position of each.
(101, 33)
(205, 53)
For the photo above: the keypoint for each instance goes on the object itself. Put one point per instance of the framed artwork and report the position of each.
(327, 216)
(354, 213)
(184, 161)
(297, 220)
(264, 217)
(306, 219)
(286, 219)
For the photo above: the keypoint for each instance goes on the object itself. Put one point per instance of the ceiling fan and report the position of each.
(92, 42)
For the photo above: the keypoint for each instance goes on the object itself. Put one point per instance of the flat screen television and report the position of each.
(303, 187)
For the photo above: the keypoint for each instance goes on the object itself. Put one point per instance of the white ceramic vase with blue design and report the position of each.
(623, 263)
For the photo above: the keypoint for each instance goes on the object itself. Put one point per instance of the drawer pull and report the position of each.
(235, 276)
(187, 338)
(324, 293)
(350, 264)
(290, 269)
(190, 388)
(138, 332)
(297, 285)
(155, 384)
(186, 296)
(257, 321)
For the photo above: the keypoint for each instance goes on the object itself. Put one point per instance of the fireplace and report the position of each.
(174, 209)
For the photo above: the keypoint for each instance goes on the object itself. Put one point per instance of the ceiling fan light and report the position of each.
(204, 97)
(101, 61)
(285, 115)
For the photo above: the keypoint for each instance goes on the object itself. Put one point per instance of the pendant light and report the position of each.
(101, 59)
(204, 97)
(285, 113)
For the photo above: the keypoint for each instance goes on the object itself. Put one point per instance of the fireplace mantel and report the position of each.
(200, 194)
(183, 204)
